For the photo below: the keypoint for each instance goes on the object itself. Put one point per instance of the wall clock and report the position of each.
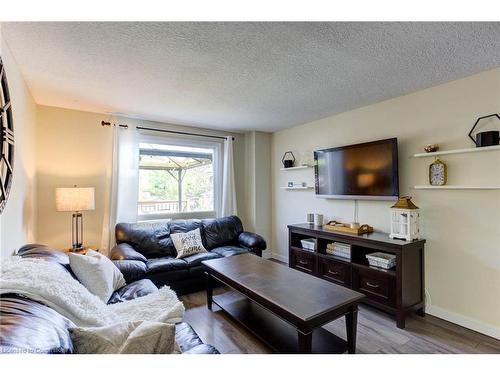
(437, 173)
(6, 139)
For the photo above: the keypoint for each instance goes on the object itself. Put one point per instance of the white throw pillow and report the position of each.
(125, 338)
(97, 273)
(188, 243)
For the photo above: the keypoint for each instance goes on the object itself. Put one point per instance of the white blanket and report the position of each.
(52, 285)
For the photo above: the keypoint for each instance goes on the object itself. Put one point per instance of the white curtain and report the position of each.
(228, 185)
(123, 177)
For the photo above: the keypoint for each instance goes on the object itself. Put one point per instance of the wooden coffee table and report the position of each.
(284, 307)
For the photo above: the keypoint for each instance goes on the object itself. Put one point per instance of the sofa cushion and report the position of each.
(165, 264)
(183, 226)
(151, 239)
(196, 259)
(222, 231)
(168, 277)
(136, 289)
(131, 270)
(227, 251)
(197, 272)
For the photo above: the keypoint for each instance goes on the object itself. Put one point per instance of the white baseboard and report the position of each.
(266, 254)
(464, 321)
(280, 257)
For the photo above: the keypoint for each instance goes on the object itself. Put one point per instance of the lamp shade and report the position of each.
(75, 199)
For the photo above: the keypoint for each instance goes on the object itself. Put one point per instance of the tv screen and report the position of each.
(362, 171)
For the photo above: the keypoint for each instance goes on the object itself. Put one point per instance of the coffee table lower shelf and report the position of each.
(280, 336)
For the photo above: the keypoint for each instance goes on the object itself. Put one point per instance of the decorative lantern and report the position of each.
(405, 219)
(288, 160)
(488, 138)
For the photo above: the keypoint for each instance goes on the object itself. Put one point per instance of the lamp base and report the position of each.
(77, 231)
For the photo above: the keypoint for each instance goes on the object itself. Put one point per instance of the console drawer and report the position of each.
(376, 285)
(303, 261)
(336, 271)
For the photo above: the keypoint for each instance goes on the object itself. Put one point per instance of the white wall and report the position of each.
(462, 228)
(73, 148)
(17, 222)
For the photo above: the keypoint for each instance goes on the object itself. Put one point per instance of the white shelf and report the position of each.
(296, 188)
(455, 187)
(295, 168)
(458, 151)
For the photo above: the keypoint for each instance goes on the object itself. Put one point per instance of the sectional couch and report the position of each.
(27, 326)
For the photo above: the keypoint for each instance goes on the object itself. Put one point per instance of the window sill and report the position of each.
(180, 215)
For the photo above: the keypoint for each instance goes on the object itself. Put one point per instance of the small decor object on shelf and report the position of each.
(339, 249)
(308, 244)
(288, 160)
(335, 226)
(310, 218)
(438, 175)
(306, 158)
(487, 138)
(6, 139)
(405, 220)
(318, 220)
(296, 184)
(431, 148)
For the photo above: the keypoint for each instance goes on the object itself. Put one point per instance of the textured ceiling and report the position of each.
(242, 76)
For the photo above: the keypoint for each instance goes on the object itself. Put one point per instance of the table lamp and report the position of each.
(76, 199)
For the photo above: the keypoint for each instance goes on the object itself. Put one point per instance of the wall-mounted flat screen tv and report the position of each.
(361, 171)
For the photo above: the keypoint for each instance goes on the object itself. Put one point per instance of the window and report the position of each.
(178, 179)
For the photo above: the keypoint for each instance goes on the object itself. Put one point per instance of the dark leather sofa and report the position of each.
(27, 326)
(146, 251)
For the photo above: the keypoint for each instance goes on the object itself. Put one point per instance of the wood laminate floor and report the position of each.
(377, 332)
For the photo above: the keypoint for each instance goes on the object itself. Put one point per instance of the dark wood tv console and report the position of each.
(399, 291)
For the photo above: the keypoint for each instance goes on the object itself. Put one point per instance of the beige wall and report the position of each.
(257, 192)
(462, 228)
(73, 148)
(17, 222)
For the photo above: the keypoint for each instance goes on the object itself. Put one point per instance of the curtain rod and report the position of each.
(107, 123)
(104, 123)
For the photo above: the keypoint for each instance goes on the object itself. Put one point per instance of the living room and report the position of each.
(250, 187)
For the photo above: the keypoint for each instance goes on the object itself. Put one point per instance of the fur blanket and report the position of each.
(51, 284)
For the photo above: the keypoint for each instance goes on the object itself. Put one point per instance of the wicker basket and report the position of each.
(382, 260)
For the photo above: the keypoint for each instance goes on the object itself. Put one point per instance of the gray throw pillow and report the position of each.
(97, 273)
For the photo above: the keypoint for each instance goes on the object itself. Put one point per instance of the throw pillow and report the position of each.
(125, 338)
(188, 243)
(97, 273)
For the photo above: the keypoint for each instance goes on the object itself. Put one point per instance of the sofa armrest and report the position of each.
(252, 241)
(132, 270)
(124, 251)
(133, 290)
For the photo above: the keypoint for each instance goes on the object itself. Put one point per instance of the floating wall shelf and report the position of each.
(296, 188)
(295, 168)
(457, 151)
(455, 187)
